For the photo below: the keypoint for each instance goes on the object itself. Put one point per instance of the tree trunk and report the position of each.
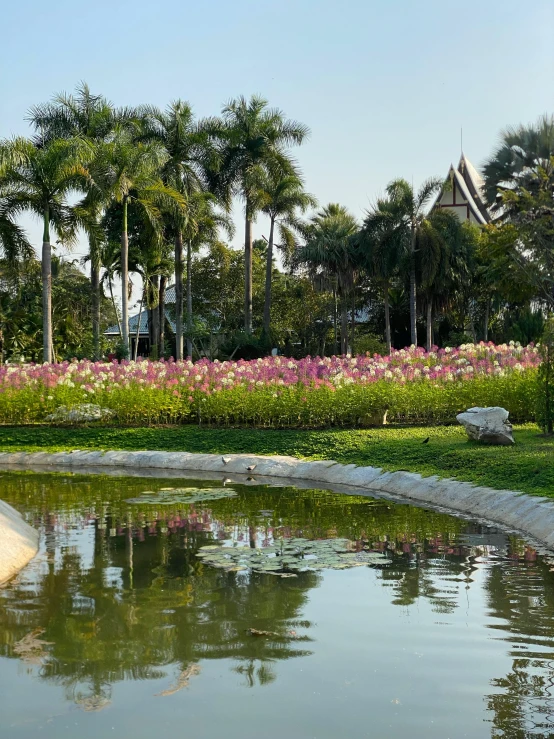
(95, 288)
(353, 320)
(343, 325)
(429, 324)
(486, 321)
(154, 317)
(47, 289)
(413, 299)
(125, 279)
(189, 298)
(137, 336)
(179, 296)
(268, 276)
(248, 270)
(110, 285)
(161, 311)
(335, 322)
(387, 318)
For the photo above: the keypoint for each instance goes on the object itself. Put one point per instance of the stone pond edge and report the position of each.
(530, 515)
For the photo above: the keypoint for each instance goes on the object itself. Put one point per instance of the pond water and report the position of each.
(416, 624)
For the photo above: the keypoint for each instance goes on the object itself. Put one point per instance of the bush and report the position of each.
(545, 380)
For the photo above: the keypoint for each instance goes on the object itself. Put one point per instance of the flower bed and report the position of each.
(412, 385)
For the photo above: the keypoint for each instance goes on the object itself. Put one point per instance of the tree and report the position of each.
(92, 117)
(252, 136)
(283, 199)
(42, 179)
(523, 151)
(410, 223)
(129, 171)
(380, 247)
(191, 159)
(329, 256)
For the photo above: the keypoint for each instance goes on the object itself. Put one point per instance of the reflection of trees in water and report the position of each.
(521, 597)
(147, 603)
(135, 612)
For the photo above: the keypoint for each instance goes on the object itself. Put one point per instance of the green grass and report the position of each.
(528, 466)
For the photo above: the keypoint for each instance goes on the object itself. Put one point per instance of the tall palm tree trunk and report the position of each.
(137, 335)
(125, 279)
(47, 289)
(161, 310)
(268, 276)
(386, 289)
(413, 299)
(179, 295)
(486, 320)
(110, 286)
(189, 298)
(248, 270)
(429, 324)
(343, 325)
(95, 288)
(154, 316)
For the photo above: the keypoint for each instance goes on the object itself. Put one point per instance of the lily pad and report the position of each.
(181, 496)
(290, 556)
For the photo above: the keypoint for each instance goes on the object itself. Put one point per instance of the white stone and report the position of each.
(489, 425)
(79, 414)
(18, 542)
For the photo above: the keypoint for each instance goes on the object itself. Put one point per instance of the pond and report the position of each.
(309, 614)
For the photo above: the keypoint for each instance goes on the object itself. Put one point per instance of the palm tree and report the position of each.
(408, 220)
(329, 255)
(92, 117)
(129, 171)
(282, 198)
(201, 228)
(442, 261)
(522, 152)
(191, 157)
(251, 136)
(41, 180)
(380, 247)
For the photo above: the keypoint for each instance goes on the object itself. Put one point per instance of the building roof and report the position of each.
(471, 185)
(133, 325)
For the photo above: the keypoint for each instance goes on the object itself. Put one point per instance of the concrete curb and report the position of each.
(18, 542)
(530, 515)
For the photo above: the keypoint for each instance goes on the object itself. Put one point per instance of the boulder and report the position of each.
(18, 542)
(489, 425)
(79, 414)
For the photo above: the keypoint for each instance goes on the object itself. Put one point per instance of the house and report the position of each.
(143, 330)
(465, 194)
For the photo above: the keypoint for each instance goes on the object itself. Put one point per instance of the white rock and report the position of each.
(489, 425)
(18, 542)
(79, 414)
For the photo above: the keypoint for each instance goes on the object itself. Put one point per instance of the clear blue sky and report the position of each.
(385, 85)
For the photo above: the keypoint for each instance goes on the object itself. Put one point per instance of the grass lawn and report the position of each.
(528, 466)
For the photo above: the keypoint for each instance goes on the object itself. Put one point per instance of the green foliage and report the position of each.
(545, 380)
(21, 313)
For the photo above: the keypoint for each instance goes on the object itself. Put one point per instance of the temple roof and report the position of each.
(471, 185)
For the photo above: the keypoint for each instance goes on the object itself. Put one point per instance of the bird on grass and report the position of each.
(426, 441)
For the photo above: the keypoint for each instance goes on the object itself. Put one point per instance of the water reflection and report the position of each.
(118, 594)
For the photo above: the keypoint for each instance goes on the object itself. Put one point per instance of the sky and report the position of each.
(384, 85)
